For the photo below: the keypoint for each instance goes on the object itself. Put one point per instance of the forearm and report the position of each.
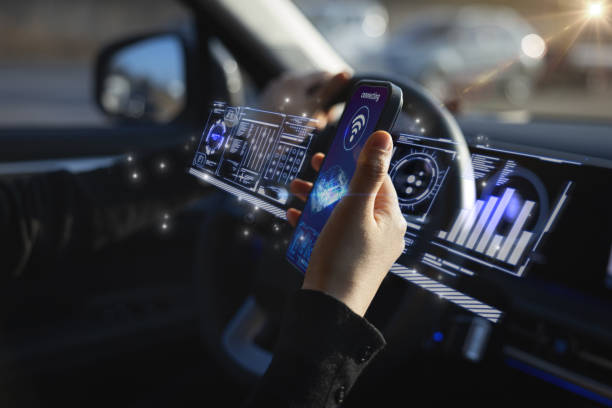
(322, 350)
(45, 216)
(133, 195)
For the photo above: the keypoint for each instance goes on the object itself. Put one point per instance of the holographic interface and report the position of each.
(518, 201)
(253, 154)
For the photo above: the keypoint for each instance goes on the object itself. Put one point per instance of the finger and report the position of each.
(300, 188)
(314, 81)
(321, 120)
(371, 171)
(317, 161)
(388, 215)
(293, 216)
(386, 203)
(453, 105)
(332, 88)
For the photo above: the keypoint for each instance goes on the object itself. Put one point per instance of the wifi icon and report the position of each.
(356, 128)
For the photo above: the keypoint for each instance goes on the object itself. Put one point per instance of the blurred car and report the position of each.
(449, 49)
(591, 62)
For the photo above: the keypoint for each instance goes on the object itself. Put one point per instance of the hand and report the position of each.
(297, 94)
(363, 237)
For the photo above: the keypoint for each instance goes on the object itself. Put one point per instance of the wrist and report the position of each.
(356, 300)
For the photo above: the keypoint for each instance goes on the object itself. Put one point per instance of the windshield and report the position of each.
(519, 59)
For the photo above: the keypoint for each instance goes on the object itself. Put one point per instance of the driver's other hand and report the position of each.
(301, 188)
(309, 94)
(364, 235)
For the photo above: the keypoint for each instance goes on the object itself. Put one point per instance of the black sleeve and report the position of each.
(45, 216)
(322, 349)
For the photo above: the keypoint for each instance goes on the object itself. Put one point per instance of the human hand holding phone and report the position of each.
(364, 235)
(298, 93)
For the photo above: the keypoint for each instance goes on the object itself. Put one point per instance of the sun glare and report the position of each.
(595, 10)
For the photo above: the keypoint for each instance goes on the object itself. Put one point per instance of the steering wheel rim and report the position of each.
(447, 128)
(464, 196)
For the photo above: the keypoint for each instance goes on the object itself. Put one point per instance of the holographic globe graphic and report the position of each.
(215, 137)
(356, 128)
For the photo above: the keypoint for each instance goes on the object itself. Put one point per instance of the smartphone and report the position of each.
(372, 105)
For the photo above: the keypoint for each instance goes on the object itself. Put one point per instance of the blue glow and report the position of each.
(560, 346)
(514, 206)
(330, 188)
(215, 138)
(559, 382)
(438, 337)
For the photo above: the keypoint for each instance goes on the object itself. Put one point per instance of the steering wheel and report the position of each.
(240, 311)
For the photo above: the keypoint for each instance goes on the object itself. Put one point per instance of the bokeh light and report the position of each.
(374, 24)
(533, 46)
(595, 10)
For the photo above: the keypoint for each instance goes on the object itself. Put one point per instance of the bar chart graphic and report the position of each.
(479, 228)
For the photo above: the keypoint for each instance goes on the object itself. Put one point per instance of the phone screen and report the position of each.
(359, 120)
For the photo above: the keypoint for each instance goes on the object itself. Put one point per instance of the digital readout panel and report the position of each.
(253, 154)
(519, 197)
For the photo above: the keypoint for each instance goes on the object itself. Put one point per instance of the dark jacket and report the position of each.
(322, 349)
(45, 216)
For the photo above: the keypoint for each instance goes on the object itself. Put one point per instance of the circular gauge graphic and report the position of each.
(414, 178)
(356, 128)
(215, 137)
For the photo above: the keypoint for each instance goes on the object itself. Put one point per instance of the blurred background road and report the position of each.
(47, 93)
(556, 60)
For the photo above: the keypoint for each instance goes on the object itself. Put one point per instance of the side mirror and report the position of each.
(143, 79)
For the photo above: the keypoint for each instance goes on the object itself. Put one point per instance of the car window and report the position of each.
(48, 50)
(537, 58)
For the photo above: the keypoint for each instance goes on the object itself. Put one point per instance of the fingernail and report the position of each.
(382, 143)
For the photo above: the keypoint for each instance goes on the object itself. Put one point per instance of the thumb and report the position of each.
(372, 167)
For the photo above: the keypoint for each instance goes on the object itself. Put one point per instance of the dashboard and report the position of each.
(535, 217)
(531, 256)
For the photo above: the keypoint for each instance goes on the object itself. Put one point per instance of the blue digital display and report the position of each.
(517, 202)
(253, 154)
(360, 118)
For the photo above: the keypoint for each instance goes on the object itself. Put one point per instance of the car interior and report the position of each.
(187, 310)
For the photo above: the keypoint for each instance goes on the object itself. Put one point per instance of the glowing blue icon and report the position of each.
(301, 247)
(331, 187)
(356, 128)
(438, 337)
(215, 137)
